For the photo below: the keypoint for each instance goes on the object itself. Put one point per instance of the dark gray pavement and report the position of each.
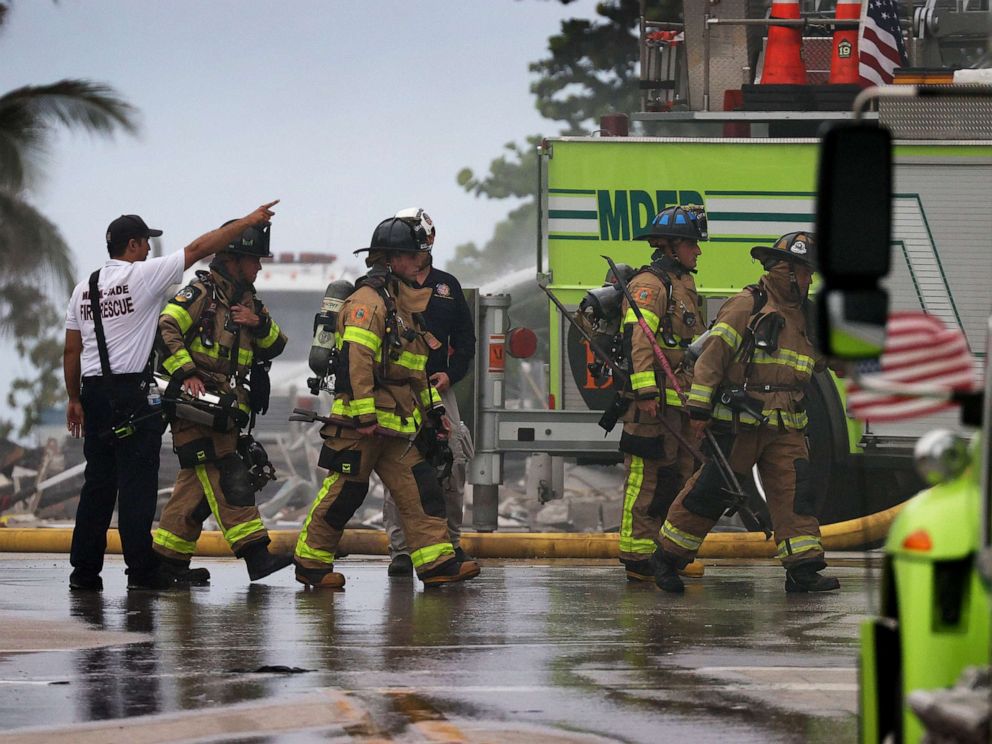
(554, 651)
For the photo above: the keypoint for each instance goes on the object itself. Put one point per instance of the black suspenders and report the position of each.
(101, 339)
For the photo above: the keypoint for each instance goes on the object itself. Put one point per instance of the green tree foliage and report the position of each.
(35, 261)
(591, 70)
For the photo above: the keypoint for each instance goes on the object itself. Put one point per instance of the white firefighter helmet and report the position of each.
(422, 224)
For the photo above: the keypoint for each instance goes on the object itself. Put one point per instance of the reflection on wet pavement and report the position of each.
(527, 650)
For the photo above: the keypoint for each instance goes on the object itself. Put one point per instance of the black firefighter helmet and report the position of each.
(797, 247)
(254, 241)
(686, 222)
(396, 235)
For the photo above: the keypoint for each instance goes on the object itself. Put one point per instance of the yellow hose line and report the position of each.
(851, 535)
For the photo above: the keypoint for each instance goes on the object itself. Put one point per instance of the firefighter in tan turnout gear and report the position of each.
(748, 385)
(384, 413)
(665, 292)
(213, 332)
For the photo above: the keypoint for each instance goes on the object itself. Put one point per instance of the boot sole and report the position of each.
(794, 589)
(322, 585)
(634, 577)
(439, 580)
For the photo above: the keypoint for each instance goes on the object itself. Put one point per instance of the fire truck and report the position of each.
(753, 167)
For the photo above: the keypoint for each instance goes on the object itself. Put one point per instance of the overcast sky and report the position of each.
(346, 111)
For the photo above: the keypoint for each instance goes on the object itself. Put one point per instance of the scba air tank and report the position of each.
(322, 351)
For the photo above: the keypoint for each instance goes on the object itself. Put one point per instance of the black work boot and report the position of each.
(178, 573)
(319, 578)
(450, 572)
(806, 578)
(666, 573)
(261, 562)
(642, 570)
(401, 565)
(84, 582)
(461, 555)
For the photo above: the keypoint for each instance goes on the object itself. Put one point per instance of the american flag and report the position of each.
(921, 355)
(880, 45)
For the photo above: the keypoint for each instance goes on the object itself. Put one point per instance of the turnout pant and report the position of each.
(121, 472)
(655, 470)
(782, 458)
(453, 488)
(212, 480)
(350, 460)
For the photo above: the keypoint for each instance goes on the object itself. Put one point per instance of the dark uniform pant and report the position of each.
(411, 481)
(118, 471)
(655, 472)
(218, 485)
(782, 458)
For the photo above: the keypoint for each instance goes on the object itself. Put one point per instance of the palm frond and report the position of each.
(32, 250)
(29, 114)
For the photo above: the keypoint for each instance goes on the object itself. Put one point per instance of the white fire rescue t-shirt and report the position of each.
(132, 296)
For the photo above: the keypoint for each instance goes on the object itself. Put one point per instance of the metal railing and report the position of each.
(791, 23)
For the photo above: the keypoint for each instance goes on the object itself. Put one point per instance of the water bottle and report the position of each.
(154, 398)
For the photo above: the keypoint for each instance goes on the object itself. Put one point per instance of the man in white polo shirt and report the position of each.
(107, 374)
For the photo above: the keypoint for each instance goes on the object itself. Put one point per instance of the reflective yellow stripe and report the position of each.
(800, 362)
(795, 545)
(416, 362)
(700, 394)
(302, 549)
(390, 420)
(238, 531)
(173, 542)
(727, 334)
(797, 421)
(640, 380)
(635, 479)
(672, 398)
(431, 553)
(650, 318)
(357, 407)
(176, 361)
(180, 315)
(243, 530)
(270, 337)
(430, 397)
(245, 356)
(245, 407)
(681, 538)
(362, 337)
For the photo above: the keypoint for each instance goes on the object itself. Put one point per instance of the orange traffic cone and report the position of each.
(844, 62)
(783, 54)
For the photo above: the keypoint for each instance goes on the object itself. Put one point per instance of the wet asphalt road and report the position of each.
(528, 651)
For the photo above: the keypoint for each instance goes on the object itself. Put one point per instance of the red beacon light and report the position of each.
(521, 343)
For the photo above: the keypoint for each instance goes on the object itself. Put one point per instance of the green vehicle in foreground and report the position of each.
(925, 658)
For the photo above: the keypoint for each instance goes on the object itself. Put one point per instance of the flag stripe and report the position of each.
(880, 44)
(920, 352)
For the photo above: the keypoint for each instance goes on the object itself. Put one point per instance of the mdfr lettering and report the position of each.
(623, 215)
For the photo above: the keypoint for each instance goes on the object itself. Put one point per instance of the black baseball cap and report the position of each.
(126, 227)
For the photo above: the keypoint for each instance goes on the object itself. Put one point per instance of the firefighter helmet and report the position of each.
(395, 235)
(254, 241)
(423, 225)
(687, 222)
(798, 247)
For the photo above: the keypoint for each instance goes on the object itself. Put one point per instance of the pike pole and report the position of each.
(731, 483)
